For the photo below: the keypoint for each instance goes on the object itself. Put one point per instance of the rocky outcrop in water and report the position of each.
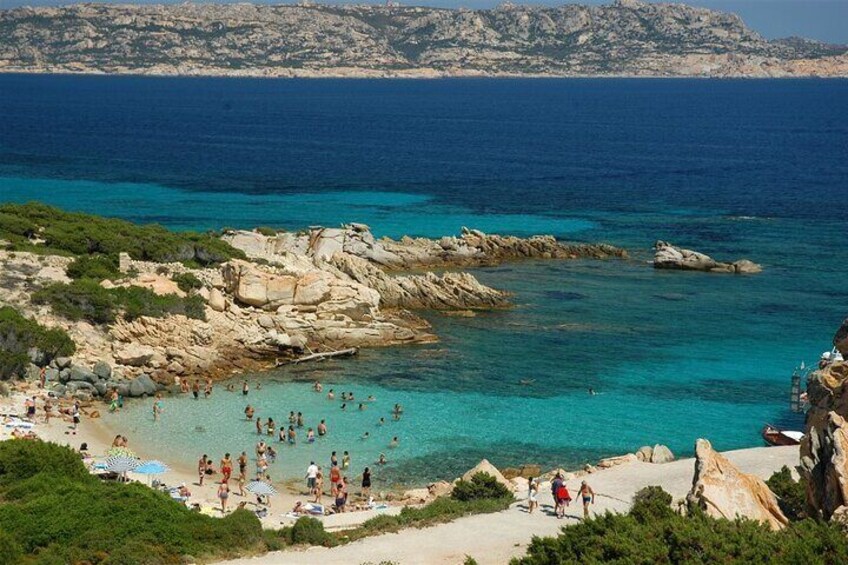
(628, 37)
(722, 491)
(667, 256)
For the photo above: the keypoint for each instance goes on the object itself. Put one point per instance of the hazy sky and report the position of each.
(826, 20)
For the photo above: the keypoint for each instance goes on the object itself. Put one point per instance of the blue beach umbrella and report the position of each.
(151, 468)
(260, 488)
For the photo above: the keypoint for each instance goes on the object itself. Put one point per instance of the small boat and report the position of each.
(775, 436)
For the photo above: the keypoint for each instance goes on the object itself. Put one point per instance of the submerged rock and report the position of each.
(722, 491)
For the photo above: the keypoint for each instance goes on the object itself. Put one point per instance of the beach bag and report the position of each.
(562, 493)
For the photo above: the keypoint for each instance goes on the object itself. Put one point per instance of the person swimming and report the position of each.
(248, 412)
(331, 395)
(310, 436)
(394, 443)
(361, 406)
(366, 435)
(344, 405)
(382, 459)
(381, 422)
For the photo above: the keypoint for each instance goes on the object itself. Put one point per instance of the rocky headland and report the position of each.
(280, 295)
(624, 38)
(667, 256)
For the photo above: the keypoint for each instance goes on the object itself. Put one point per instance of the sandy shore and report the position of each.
(495, 538)
(489, 538)
(99, 436)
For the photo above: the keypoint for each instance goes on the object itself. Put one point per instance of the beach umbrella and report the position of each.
(121, 464)
(260, 488)
(121, 452)
(151, 468)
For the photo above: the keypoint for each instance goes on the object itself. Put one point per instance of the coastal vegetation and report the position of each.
(86, 299)
(40, 228)
(54, 511)
(653, 532)
(20, 337)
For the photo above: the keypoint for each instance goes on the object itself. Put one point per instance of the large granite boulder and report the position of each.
(824, 463)
(667, 256)
(134, 355)
(840, 339)
(485, 467)
(312, 288)
(722, 491)
(141, 386)
(216, 300)
(79, 373)
(103, 370)
(253, 286)
(325, 242)
(661, 454)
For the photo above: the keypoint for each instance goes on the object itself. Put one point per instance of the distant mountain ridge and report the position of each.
(628, 37)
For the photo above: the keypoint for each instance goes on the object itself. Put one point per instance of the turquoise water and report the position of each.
(754, 169)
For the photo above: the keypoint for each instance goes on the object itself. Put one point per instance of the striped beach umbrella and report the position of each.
(121, 464)
(260, 488)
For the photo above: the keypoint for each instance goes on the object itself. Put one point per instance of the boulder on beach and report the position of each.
(661, 454)
(79, 373)
(619, 460)
(722, 491)
(824, 462)
(440, 488)
(134, 355)
(102, 369)
(644, 453)
(485, 467)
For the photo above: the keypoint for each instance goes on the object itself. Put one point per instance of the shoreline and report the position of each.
(364, 74)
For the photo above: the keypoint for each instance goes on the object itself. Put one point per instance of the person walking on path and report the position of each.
(588, 496)
(532, 495)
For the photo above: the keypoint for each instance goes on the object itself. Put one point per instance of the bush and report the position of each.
(791, 495)
(85, 234)
(187, 282)
(10, 550)
(481, 486)
(85, 299)
(311, 531)
(56, 512)
(266, 231)
(651, 533)
(651, 503)
(18, 335)
(97, 267)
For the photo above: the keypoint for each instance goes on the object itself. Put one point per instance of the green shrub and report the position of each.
(10, 550)
(791, 494)
(651, 503)
(187, 282)
(651, 533)
(266, 231)
(481, 486)
(97, 267)
(85, 234)
(58, 513)
(311, 531)
(19, 334)
(85, 299)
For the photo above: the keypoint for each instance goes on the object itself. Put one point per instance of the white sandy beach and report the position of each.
(488, 538)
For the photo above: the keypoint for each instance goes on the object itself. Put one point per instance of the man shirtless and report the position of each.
(588, 496)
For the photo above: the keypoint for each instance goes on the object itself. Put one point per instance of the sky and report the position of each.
(825, 20)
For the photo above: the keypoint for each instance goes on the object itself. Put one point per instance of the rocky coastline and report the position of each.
(624, 38)
(321, 289)
(667, 256)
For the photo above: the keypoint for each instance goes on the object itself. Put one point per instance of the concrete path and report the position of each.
(495, 538)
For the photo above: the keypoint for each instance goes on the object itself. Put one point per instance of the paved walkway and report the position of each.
(495, 538)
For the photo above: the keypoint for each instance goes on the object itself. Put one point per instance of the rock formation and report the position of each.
(722, 491)
(667, 256)
(485, 467)
(623, 38)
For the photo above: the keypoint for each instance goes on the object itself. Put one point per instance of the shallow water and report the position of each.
(752, 169)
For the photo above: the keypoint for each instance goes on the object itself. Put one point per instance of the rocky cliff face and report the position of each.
(824, 449)
(628, 37)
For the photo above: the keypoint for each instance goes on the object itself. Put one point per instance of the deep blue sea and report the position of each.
(755, 169)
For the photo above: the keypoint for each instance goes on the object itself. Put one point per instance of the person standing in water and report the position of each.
(345, 461)
(195, 388)
(248, 412)
(588, 496)
(322, 428)
(208, 392)
(366, 483)
(157, 406)
(245, 388)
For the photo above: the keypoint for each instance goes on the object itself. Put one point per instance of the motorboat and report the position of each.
(776, 436)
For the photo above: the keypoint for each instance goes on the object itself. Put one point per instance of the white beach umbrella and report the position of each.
(260, 488)
(120, 464)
